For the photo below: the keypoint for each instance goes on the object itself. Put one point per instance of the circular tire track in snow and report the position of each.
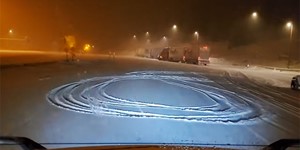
(92, 96)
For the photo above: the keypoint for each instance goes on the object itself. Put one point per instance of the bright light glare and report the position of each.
(289, 24)
(196, 33)
(254, 14)
(87, 47)
(10, 31)
(174, 27)
(134, 36)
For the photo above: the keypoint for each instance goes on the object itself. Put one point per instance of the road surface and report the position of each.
(134, 100)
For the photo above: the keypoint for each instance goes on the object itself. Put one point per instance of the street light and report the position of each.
(174, 36)
(164, 41)
(134, 36)
(174, 27)
(289, 25)
(164, 38)
(254, 15)
(147, 37)
(197, 37)
(196, 34)
(10, 31)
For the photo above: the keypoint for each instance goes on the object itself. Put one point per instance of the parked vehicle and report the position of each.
(143, 52)
(295, 83)
(176, 54)
(164, 54)
(155, 52)
(191, 55)
(204, 55)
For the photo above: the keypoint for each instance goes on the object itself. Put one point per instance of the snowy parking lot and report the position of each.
(133, 100)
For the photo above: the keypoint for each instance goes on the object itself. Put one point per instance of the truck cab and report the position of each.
(204, 54)
(191, 55)
(295, 83)
(176, 54)
(164, 54)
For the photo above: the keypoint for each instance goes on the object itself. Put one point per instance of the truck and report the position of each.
(204, 55)
(143, 52)
(190, 55)
(155, 52)
(164, 54)
(176, 54)
(194, 55)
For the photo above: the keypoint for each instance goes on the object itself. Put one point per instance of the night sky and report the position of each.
(109, 23)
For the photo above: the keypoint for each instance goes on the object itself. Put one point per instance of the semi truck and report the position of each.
(155, 52)
(190, 55)
(194, 55)
(204, 55)
(176, 54)
(143, 52)
(164, 54)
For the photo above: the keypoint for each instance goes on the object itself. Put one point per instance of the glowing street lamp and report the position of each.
(10, 31)
(164, 38)
(197, 37)
(134, 36)
(164, 41)
(174, 36)
(87, 47)
(254, 15)
(196, 34)
(174, 27)
(289, 25)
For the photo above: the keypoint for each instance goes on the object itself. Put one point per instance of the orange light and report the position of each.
(87, 47)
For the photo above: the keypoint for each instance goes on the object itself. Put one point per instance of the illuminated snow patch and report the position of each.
(155, 94)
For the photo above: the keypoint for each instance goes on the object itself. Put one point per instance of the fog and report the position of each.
(227, 27)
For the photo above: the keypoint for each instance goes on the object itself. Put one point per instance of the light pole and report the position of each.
(289, 25)
(174, 38)
(165, 41)
(253, 22)
(134, 43)
(197, 38)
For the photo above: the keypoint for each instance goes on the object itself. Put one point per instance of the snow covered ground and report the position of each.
(132, 100)
(271, 77)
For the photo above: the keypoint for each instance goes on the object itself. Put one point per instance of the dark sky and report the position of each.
(108, 23)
